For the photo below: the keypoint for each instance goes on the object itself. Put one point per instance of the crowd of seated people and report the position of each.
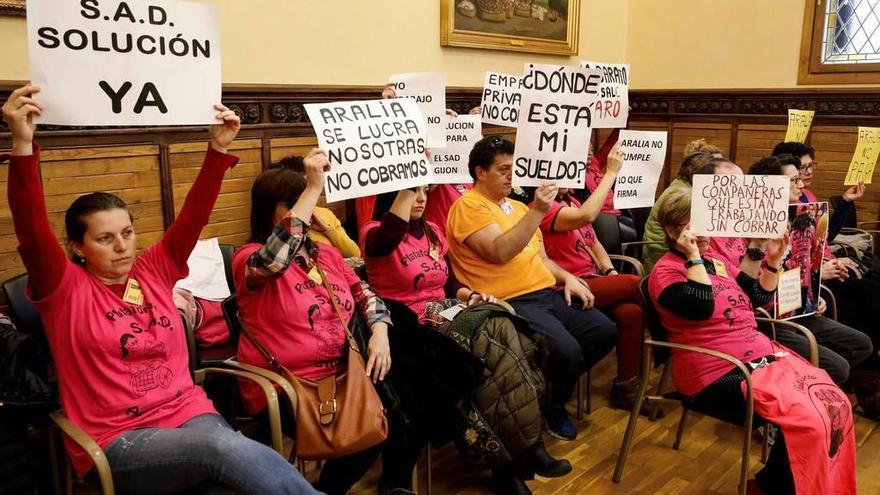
(480, 315)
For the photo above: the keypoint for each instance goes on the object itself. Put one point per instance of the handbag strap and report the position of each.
(326, 284)
(274, 363)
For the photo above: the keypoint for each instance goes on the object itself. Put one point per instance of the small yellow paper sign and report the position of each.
(788, 292)
(133, 293)
(861, 169)
(799, 122)
(720, 269)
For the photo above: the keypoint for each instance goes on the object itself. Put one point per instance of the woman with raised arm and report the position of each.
(116, 337)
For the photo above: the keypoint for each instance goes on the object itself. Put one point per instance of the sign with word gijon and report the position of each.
(451, 163)
(644, 153)
(111, 62)
(428, 90)
(501, 99)
(612, 108)
(740, 205)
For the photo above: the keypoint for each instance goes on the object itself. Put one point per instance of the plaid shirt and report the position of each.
(274, 258)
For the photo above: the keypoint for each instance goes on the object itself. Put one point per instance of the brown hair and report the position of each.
(75, 224)
(693, 162)
(700, 145)
(275, 185)
(673, 210)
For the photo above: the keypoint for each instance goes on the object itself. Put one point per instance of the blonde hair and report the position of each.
(701, 145)
(673, 211)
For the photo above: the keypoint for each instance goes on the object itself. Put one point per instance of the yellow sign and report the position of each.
(133, 293)
(799, 122)
(861, 169)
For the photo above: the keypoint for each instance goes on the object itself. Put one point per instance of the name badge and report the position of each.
(315, 275)
(720, 269)
(460, 188)
(506, 207)
(434, 253)
(133, 293)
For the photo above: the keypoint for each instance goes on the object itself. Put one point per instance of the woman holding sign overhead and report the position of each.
(117, 339)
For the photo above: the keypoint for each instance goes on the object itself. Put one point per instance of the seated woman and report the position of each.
(596, 171)
(282, 299)
(705, 300)
(117, 339)
(571, 242)
(406, 264)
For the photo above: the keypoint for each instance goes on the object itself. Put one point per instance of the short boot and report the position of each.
(505, 482)
(866, 385)
(624, 395)
(546, 465)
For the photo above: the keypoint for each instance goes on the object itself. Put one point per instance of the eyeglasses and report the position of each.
(809, 166)
(796, 179)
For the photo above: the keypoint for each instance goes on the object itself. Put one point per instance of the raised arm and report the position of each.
(570, 218)
(384, 239)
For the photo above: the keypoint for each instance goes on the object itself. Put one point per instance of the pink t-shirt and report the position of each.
(731, 328)
(412, 274)
(594, 176)
(121, 366)
(569, 248)
(732, 249)
(440, 199)
(294, 319)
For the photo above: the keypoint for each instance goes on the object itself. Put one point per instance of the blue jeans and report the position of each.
(204, 453)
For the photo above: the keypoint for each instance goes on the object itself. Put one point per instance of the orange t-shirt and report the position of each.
(523, 274)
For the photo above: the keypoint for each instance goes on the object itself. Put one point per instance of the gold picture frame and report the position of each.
(532, 26)
(12, 7)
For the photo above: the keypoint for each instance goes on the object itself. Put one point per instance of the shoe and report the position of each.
(866, 384)
(384, 490)
(560, 425)
(624, 395)
(505, 483)
(546, 465)
(752, 487)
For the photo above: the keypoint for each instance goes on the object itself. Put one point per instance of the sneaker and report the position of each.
(560, 425)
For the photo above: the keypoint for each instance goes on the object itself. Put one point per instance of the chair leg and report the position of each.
(765, 445)
(664, 377)
(631, 427)
(579, 393)
(589, 391)
(54, 460)
(428, 474)
(681, 425)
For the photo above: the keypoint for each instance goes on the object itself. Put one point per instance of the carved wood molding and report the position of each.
(12, 7)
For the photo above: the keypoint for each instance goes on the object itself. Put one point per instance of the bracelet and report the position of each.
(472, 294)
(769, 268)
(608, 270)
(690, 263)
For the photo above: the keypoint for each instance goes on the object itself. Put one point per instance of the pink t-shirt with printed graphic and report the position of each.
(569, 248)
(135, 371)
(294, 319)
(595, 172)
(412, 274)
(440, 199)
(731, 248)
(731, 328)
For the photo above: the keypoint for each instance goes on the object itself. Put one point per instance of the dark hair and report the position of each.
(792, 160)
(769, 165)
(484, 152)
(293, 162)
(75, 225)
(692, 163)
(274, 185)
(794, 148)
(712, 166)
(383, 206)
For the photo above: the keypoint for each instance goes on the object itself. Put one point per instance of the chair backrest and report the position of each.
(227, 250)
(608, 232)
(640, 218)
(652, 320)
(24, 314)
(230, 313)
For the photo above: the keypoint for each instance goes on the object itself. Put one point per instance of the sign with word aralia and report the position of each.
(612, 108)
(753, 206)
(555, 122)
(111, 62)
(644, 153)
(374, 146)
(451, 163)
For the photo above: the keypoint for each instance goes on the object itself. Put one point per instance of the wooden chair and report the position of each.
(658, 341)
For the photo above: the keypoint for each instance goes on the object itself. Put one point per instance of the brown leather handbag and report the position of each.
(338, 415)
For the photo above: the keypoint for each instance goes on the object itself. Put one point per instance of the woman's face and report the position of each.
(797, 184)
(108, 245)
(674, 232)
(418, 206)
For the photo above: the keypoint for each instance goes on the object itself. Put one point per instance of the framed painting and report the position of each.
(533, 26)
(12, 7)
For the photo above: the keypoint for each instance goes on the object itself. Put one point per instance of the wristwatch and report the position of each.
(690, 263)
(755, 254)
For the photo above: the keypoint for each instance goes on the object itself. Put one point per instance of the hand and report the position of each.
(823, 306)
(379, 353)
(222, 135)
(478, 297)
(848, 263)
(451, 113)
(476, 111)
(855, 192)
(776, 248)
(429, 154)
(316, 164)
(578, 288)
(612, 272)
(18, 112)
(687, 243)
(388, 92)
(833, 269)
(615, 160)
(545, 195)
(318, 224)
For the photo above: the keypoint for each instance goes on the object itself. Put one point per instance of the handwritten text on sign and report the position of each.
(644, 153)
(451, 163)
(612, 107)
(740, 205)
(555, 120)
(109, 62)
(861, 168)
(501, 99)
(428, 90)
(799, 122)
(374, 146)
(788, 293)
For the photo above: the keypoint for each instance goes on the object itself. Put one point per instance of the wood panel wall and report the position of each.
(153, 169)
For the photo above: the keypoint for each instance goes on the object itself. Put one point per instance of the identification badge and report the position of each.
(460, 188)
(506, 207)
(133, 293)
(720, 269)
(315, 275)
(434, 253)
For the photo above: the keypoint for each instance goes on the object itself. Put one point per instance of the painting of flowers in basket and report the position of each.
(534, 26)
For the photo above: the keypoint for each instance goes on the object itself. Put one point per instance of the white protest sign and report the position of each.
(501, 99)
(788, 293)
(553, 133)
(451, 163)
(374, 146)
(644, 153)
(428, 89)
(612, 108)
(740, 205)
(125, 63)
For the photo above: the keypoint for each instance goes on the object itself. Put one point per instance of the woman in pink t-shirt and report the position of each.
(116, 337)
(704, 300)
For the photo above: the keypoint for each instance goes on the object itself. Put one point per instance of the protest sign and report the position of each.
(501, 99)
(861, 168)
(799, 122)
(740, 205)
(125, 63)
(644, 153)
(450, 164)
(374, 146)
(612, 108)
(800, 274)
(555, 122)
(428, 89)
